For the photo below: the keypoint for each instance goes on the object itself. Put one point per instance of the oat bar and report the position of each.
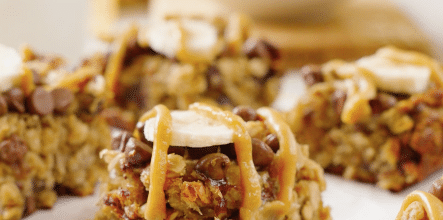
(50, 132)
(375, 120)
(179, 60)
(206, 163)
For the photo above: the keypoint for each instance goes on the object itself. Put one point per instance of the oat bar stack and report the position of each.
(378, 119)
(206, 163)
(50, 134)
(179, 60)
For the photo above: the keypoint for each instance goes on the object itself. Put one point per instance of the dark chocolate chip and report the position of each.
(214, 79)
(16, 100)
(119, 138)
(12, 150)
(260, 48)
(37, 78)
(3, 105)
(197, 153)
(213, 166)
(245, 112)
(382, 102)
(62, 99)
(177, 150)
(338, 101)
(262, 154)
(137, 153)
(272, 141)
(40, 102)
(134, 50)
(312, 74)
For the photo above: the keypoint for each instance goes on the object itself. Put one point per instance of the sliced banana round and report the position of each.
(188, 40)
(191, 129)
(10, 66)
(396, 77)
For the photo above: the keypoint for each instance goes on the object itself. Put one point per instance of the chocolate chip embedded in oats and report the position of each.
(437, 189)
(62, 99)
(262, 154)
(214, 79)
(338, 101)
(3, 105)
(260, 48)
(213, 165)
(40, 102)
(16, 100)
(119, 138)
(312, 74)
(12, 150)
(137, 153)
(246, 113)
(272, 141)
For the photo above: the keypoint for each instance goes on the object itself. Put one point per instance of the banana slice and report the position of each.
(10, 65)
(193, 130)
(187, 39)
(396, 77)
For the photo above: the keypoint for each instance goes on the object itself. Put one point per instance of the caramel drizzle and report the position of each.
(156, 203)
(432, 205)
(284, 165)
(243, 149)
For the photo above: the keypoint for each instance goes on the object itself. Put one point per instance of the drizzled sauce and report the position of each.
(283, 166)
(243, 149)
(285, 161)
(432, 205)
(156, 204)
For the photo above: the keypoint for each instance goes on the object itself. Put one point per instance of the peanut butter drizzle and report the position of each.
(284, 165)
(115, 64)
(156, 203)
(432, 205)
(243, 149)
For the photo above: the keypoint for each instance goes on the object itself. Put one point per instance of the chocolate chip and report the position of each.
(119, 138)
(115, 118)
(16, 100)
(213, 165)
(85, 101)
(272, 141)
(37, 78)
(262, 154)
(437, 189)
(338, 101)
(260, 48)
(134, 50)
(140, 126)
(3, 105)
(62, 99)
(245, 112)
(197, 153)
(312, 74)
(40, 102)
(382, 102)
(137, 153)
(12, 150)
(214, 79)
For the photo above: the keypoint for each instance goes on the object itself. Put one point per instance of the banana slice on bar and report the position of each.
(191, 129)
(10, 66)
(396, 77)
(188, 40)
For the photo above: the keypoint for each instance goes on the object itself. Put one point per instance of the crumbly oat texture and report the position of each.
(50, 136)
(375, 120)
(181, 60)
(212, 182)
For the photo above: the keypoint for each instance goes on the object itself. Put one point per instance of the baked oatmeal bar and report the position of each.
(206, 163)
(420, 205)
(376, 120)
(50, 135)
(179, 60)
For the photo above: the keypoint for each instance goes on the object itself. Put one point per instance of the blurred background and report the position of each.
(307, 30)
